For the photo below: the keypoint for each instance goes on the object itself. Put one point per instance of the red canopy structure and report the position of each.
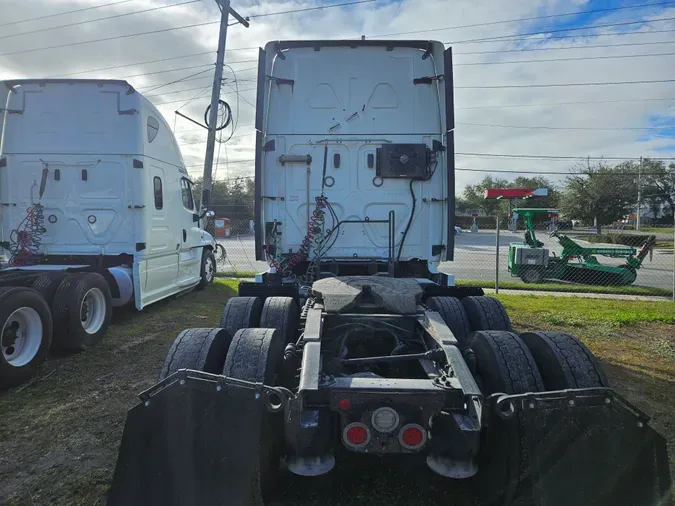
(515, 193)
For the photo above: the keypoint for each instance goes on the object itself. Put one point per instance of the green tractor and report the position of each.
(534, 263)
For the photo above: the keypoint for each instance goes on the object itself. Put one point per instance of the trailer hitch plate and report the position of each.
(193, 440)
(590, 447)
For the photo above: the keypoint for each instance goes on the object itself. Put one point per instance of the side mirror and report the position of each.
(195, 217)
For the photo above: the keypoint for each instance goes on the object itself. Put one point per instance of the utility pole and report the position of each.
(225, 11)
(637, 216)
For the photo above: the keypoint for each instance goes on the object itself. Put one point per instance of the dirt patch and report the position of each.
(60, 435)
(61, 432)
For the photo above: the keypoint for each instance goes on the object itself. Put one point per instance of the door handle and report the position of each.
(184, 235)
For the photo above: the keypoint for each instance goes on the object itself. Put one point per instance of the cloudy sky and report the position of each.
(530, 42)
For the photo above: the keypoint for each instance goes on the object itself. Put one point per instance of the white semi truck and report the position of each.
(96, 210)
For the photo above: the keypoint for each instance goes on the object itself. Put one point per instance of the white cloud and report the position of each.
(374, 19)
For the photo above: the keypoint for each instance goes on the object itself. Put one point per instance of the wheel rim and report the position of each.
(92, 311)
(21, 336)
(208, 269)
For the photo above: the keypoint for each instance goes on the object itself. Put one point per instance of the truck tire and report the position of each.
(564, 361)
(486, 313)
(46, 285)
(208, 269)
(454, 315)
(256, 355)
(25, 334)
(241, 313)
(503, 365)
(281, 313)
(82, 309)
(197, 349)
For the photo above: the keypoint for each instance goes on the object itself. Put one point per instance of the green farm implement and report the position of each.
(534, 263)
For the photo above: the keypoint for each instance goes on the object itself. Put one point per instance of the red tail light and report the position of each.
(412, 436)
(356, 435)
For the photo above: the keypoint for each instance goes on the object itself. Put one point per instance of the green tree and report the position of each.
(600, 193)
(658, 187)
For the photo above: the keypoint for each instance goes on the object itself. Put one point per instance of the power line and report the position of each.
(65, 13)
(315, 9)
(115, 16)
(546, 104)
(178, 80)
(565, 128)
(550, 60)
(563, 84)
(230, 161)
(116, 37)
(173, 82)
(163, 30)
(537, 173)
(587, 46)
(100, 69)
(554, 157)
(533, 18)
(204, 141)
(545, 32)
(169, 70)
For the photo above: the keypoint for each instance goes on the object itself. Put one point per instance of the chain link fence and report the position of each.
(557, 258)
(563, 258)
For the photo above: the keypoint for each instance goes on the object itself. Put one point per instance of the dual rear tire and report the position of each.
(249, 345)
(68, 311)
(511, 364)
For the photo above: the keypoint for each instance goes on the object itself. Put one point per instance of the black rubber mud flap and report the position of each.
(592, 447)
(190, 444)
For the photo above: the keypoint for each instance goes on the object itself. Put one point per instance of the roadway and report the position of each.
(475, 258)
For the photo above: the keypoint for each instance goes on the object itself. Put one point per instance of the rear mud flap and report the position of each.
(590, 447)
(193, 440)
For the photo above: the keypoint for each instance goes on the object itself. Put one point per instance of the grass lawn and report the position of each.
(568, 287)
(60, 433)
(657, 230)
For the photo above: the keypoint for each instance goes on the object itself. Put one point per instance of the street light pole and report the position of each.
(207, 182)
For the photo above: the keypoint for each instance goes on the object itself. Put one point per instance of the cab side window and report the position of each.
(159, 197)
(186, 190)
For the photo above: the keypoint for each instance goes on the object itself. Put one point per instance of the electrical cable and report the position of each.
(560, 85)
(553, 60)
(191, 67)
(553, 157)
(49, 16)
(588, 46)
(178, 80)
(407, 227)
(558, 30)
(306, 9)
(532, 18)
(115, 16)
(546, 104)
(612, 129)
(100, 69)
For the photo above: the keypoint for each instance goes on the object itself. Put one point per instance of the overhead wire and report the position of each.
(557, 85)
(319, 7)
(566, 128)
(114, 16)
(74, 11)
(556, 157)
(178, 80)
(531, 18)
(552, 60)
(585, 46)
